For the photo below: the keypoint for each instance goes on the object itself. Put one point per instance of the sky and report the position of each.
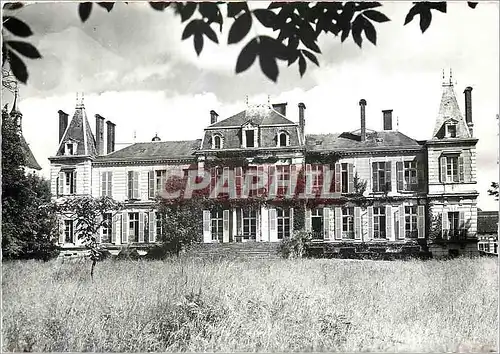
(135, 70)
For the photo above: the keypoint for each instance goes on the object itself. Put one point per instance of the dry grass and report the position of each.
(279, 305)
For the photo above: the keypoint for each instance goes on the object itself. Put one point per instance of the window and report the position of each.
(282, 139)
(216, 221)
(70, 148)
(283, 178)
(249, 217)
(70, 182)
(411, 222)
(133, 185)
(317, 178)
(106, 182)
(381, 176)
(217, 142)
(410, 175)
(451, 168)
(133, 227)
(451, 130)
(283, 217)
(344, 178)
(159, 226)
(378, 222)
(160, 180)
(317, 223)
(107, 228)
(348, 223)
(68, 231)
(250, 136)
(453, 222)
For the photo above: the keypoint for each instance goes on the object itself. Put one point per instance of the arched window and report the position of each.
(217, 142)
(282, 139)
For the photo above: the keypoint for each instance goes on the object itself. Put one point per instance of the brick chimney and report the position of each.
(63, 123)
(110, 137)
(362, 104)
(468, 108)
(213, 116)
(280, 108)
(387, 116)
(99, 134)
(302, 121)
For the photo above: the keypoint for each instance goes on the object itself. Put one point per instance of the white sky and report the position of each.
(136, 72)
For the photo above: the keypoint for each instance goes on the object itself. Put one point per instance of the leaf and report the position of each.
(12, 5)
(266, 17)
(107, 5)
(198, 43)
(16, 26)
(187, 11)
(310, 56)
(84, 10)
(269, 66)
(367, 5)
(240, 28)
(17, 67)
(209, 32)
(411, 14)
(247, 56)
(425, 20)
(24, 48)
(159, 5)
(235, 8)
(440, 6)
(210, 11)
(190, 29)
(308, 37)
(370, 32)
(345, 34)
(472, 4)
(376, 16)
(302, 65)
(357, 27)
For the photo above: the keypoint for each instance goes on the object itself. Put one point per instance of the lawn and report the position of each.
(276, 305)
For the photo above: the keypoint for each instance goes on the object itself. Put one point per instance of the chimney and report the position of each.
(302, 122)
(387, 114)
(468, 108)
(110, 137)
(99, 134)
(362, 104)
(63, 123)
(280, 108)
(213, 116)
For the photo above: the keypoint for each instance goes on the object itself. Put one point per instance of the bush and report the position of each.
(128, 253)
(296, 245)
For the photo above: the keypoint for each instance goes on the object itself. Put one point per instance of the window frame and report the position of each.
(411, 221)
(348, 223)
(344, 177)
(379, 223)
(283, 222)
(160, 180)
(249, 221)
(217, 217)
(452, 169)
(218, 137)
(410, 168)
(133, 225)
(69, 231)
(107, 228)
(69, 185)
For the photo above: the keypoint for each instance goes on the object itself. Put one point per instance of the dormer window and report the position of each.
(216, 141)
(249, 136)
(451, 130)
(70, 148)
(283, 139)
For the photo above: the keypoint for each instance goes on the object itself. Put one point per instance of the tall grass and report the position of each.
(277, 305)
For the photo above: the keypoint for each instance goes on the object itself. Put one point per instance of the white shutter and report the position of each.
(308, 221)
(141, 227)
(225, 226)
(326, 223)
(207, 235)
(152, 226)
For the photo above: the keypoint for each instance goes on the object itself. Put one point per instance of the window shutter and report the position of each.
(421, 175)
(350, 178)
(308, 221)
(141, 227)
(225, 226)
(61, 182)
(73, 187)
(238, 221)
(357, 223)
(272, 219)
(400, 175)
(103, 183)
(326, 223)
(309, 180)
(260, 174)
(207, 236)
(443, 169)
(370, 222)
(338, 178)
(152, 226)
(402, 222)
(388, 222)
(124, 228)
(136, 185)
(338, 223)
(213, 178)
(461, 220)
(291, 187)
(291, 222)
(74, 228)
(239, 178)
(114, 228)
(461, 169)
(421, 221)
(231, 186)
(375, 186)
(151, 184)
(110, 184)
(62, 229)
(388, 181)
(130, 184)
(444, 223)
(272, 180)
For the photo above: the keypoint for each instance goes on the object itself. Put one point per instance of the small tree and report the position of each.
(493, 191)
(89, 214)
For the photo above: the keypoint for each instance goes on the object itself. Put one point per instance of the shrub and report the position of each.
(296, 245)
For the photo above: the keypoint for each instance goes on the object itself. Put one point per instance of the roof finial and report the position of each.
(451, 77)
(246, 100)
(77, 99)
(397, 123)
(83, 96)
(268, 99)
(14, 104)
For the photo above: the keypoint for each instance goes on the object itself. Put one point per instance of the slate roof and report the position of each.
(154, 151)
(30, 160)
(449, 109)
(352, 141)
(259, 114)
(487, 222)
(78, 130)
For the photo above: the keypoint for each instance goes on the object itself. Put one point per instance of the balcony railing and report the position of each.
(317, 235)
(348, 235)
(454, 235)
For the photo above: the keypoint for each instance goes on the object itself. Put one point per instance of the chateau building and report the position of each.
(388, 188)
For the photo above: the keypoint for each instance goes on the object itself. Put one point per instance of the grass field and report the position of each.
(278, 305)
